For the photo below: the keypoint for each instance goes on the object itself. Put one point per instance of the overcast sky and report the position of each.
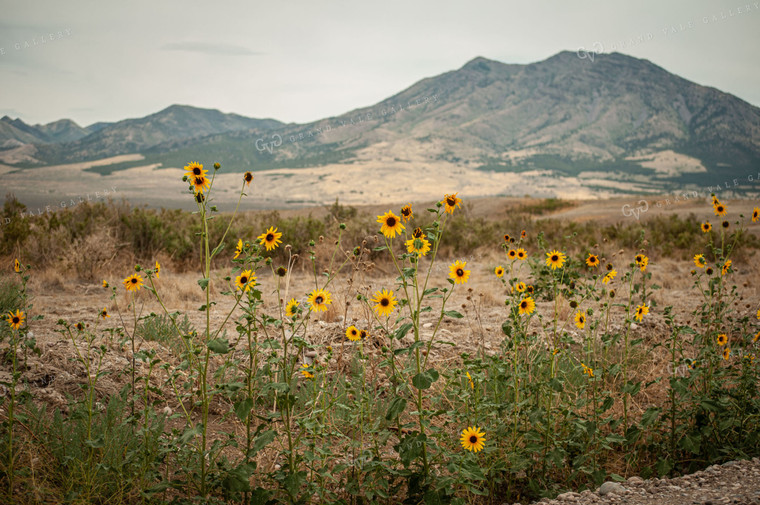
(299, 60)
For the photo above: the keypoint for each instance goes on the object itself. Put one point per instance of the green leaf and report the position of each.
(243, 408)
(453, 313)
(219, 346)
(422, 381)
(396, 407)
(263, 440)
(402, 331)
(203, 283)
(429, 291)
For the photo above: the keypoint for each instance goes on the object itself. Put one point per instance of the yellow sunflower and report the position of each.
(722, 339)
(555, 259)
(725, 268)
(726, 353)
(270, 238)
(512, 254)
(417, 233)
(521, 254)
(158, 269)
(451, 202)
(641, 311)
(421, 246)
(610, 275)
(406, 212)
(245, 281)
(104, 313)
(642, 261)
(527, 305)
(16, 266)
(305, 373)
(756, 337)
(319, 299)
(290, 308)
(385, 302)
(719, 209)
(507, 238)
(473, 439)
(469, 378)
(105, 283)
(133, 283)
(353, 334)
(248, 177)
(529, 289)
(706, 226)
(391, 224)
(580, 320)
(520, 287)
(199, 184)
(699, 260)
(195, 169)
(15, 320)
(458, 273)
(592, 260)
(588, 370)
(363, 334)
(755, 214)
(499, 271)
(238, 248)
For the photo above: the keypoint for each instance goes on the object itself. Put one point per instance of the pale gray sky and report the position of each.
(302, 60)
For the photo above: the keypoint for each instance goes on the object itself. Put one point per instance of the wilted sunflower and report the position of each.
(499, 271)
(245, 281)
(709, 271)
(270, 238)
(642, 261)
(725, 224)
(722, 339)
(104, 313)
(726, 353)
(529, 290)
(725, 268)
(451, 202)
(699, 260)
(290, 308)
(80, 326)
(385, 302)
(520, 287)
(527, 305)
(158, 269)
(458, 273)
(248, 177)
(755, 214)
(305, 371)
(706, 226)
(512, 254)
(15, 320)
(417, 233)
(16, 266)
(719, 209)
(353, 334)
(555, 259)
(281, 271)
(363, 334)
(195, 169)
(391, 224)
(133, 283)
(406, 212)
(592, 260)
(319, 299)
(580, 320)
(610, 275)
(105, 283)
(238, 248)
(473, 439)
(421, 246)
(521, 254)
(641, 311)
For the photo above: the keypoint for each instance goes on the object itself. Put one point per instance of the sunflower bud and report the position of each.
(217, 166)
(342, 226)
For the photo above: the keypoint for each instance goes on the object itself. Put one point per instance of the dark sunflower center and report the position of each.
(196, 171)
(391, 222)
(524, 305)
(318, 300)
(133, 280)
(460, 272)
(16, 320)
(406, 212)
(450, 201)
(555, 258)
(248, 177)
(473, 439)
(417, 233)
(582, 319)
(354, 332)
(243, 280)
(270, 237)
(720, 208)
(385, 302)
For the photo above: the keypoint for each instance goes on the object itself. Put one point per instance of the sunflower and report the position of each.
(527, 305)
(610, 275)
(756, 337)
(725, 268)
(555, 259)
(726, 353)
(305, 371)
(15, 320)
(499, 271)
(507, 238)
(281, 271)
(421, 246)
(521, 254)
(406, 212)
(451, 202)
(592, 260)
(580, 320)
(105, 283)
(641, 311)
(722, 339)
(706, 226)
(512, 254)
(270, 238)
(520, 287)
(199, 184)
(755, 214)
(758, 313)
(523, 234)
(248, 177)
(642, 261)
(363, 334)
(469, 378)
(16, 266)
(319, 299)
(158, 269)
(290, 308)
(699, 260)
(133, 283)
(473, 439)
(529, 289)
(195, 169)
(391, 224)
(725, 224)
(353, 334)
(238, 248)
(719, 209)
(384, 302)
(458, 273)
(80, 326)
(104, 313)
(245, 281)
(417, 233)
(709, 271)
(588, 370)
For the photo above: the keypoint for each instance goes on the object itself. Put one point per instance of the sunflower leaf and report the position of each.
(219, 346)
(217, 250)
(203, 283)
(453, 313)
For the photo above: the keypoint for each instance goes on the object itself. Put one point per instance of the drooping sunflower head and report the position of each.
(700, 261)
(610, 275)
(725, 224)
(706, 226)
(291, 308)
(391, 224)
(195, 169)
(726, 268)
(353, 334)
(15, 320)
(469, 379)
(421, 246)
(319, 299)
(641, 311)
(158, 269)
(306, 371)
(527, 305)
(592, 260)
(755, 214)
(270, 239)
(726, 353)
(104, 313)
(16, 266)
(521, 254)
(385, 302)
(245, 281)
(555, 259)
(281, 271)
(133, 283)
(105, 283)
(406, 212)
(499, 271)
(722, 339)
(451, 202)
(580, 320)
(238, 248)
(248, 177)
(458, 273)
(473, 439)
